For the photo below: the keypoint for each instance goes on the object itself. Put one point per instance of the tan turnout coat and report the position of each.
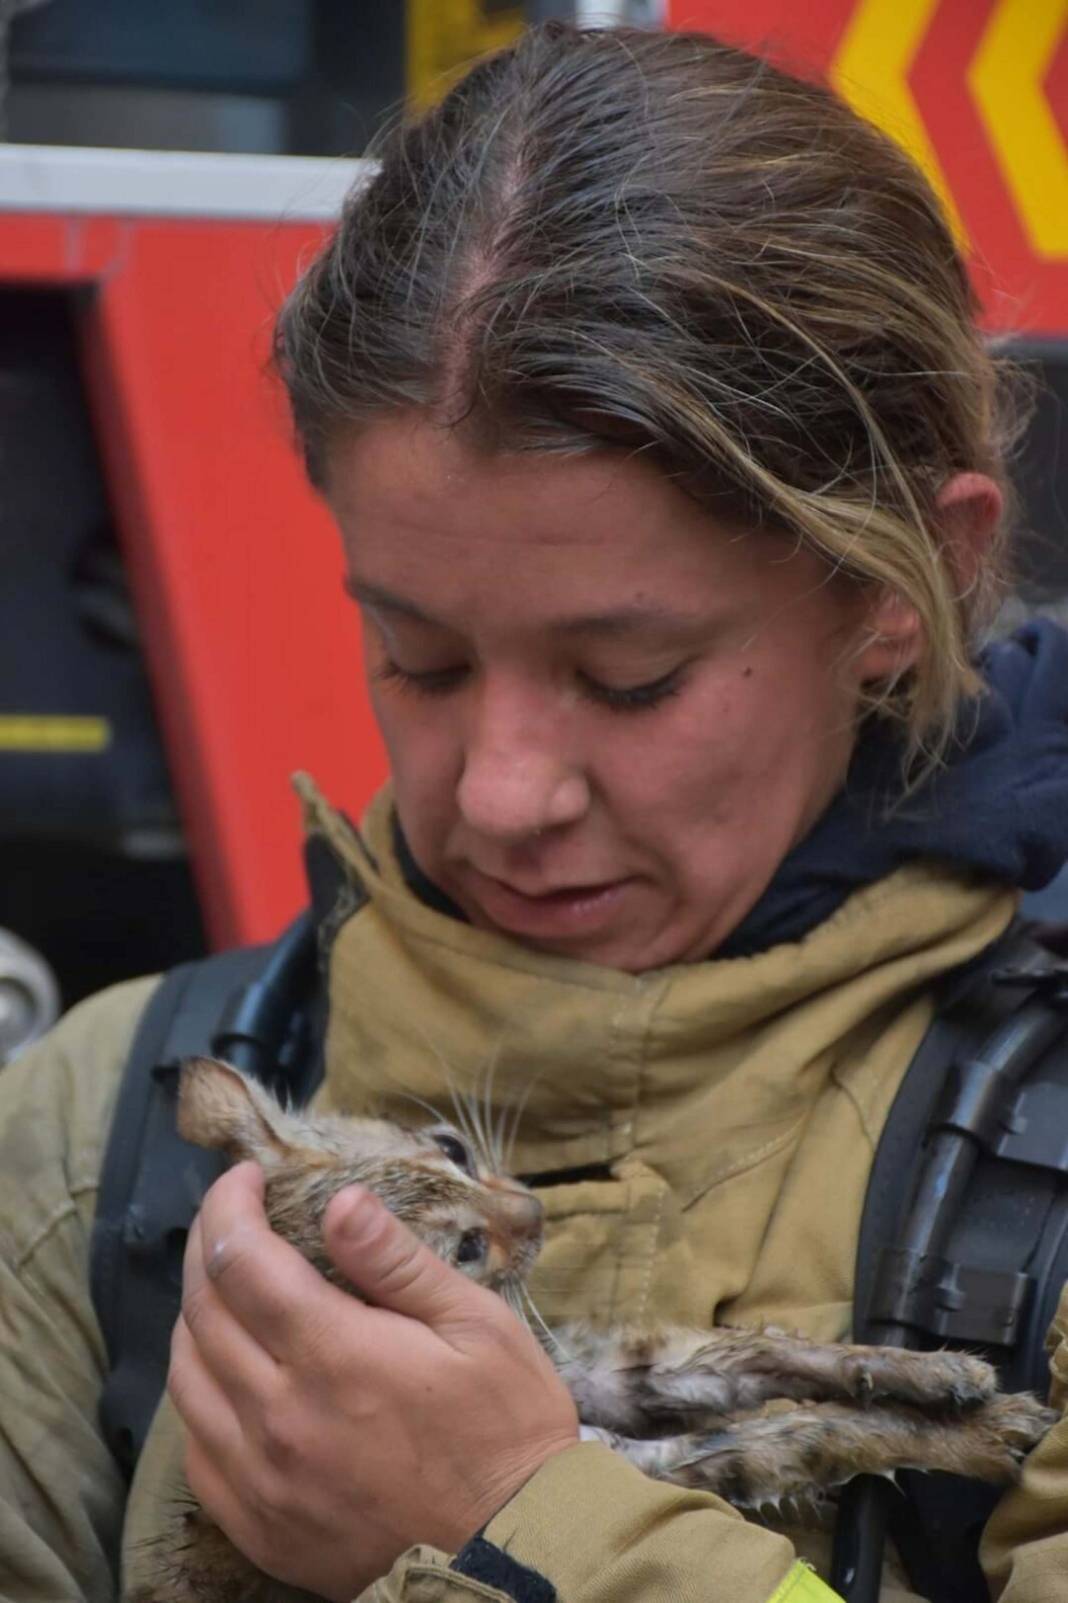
(737, 1105)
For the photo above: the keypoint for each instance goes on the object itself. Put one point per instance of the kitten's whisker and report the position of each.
(512, 1292)
(420, 1102)
(553, 1342)
(492, 1155)
(463, 1121)
(434, 1048)
(475, 1111)
(498, 1132)
(437, 1113)
(461, 1101)
(517, 1116)
(470, 1102)
(463, 1118)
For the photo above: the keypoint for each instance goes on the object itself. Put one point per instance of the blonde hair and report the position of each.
(660, 242)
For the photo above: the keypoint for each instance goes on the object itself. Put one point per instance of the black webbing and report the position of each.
(252, 1006)
(973, 1251)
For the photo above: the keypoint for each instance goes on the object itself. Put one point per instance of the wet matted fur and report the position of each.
(687, 1406)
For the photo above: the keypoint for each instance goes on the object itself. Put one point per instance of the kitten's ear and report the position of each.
(218, 1107)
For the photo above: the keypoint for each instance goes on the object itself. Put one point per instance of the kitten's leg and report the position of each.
(802, 1452)
(193, 1562)
(645, 1383)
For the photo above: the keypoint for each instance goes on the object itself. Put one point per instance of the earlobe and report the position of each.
(892, 640)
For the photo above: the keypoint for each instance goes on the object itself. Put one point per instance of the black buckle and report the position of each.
(1050, 982)
(1034, 1129)
(949, 1301)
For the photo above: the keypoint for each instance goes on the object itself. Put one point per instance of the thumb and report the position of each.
(389, 1265)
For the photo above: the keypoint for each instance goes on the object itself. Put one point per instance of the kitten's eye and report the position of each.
(472, 1247)
(455, 1151)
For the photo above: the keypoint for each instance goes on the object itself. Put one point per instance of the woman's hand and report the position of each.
(325, 1436)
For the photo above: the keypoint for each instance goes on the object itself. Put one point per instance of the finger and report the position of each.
(267, 1286)
(213, 1489)
(244, 1368)
(210, 1420)
(392, 1268)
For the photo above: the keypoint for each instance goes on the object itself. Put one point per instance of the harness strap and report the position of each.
(974, 1251)
(249, 1006)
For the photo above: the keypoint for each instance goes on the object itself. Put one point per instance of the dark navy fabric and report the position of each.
(483, 1562)
(999, 806)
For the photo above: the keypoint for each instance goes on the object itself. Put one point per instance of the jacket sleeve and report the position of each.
(61, 1495)
(590, 1528)
(1025, 1545)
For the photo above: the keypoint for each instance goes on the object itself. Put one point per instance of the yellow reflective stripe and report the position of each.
(803, 1585)
(42, 732)
(871, 71)
(1006, 80)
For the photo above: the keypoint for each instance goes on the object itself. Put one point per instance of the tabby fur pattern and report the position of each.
(686, 1406)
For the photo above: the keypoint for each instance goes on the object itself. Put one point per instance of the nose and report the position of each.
(517, 779)
(518, 1214)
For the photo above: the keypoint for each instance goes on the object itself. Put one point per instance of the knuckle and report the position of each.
(178, 1379)
(197, 1473)
(194, 1304)
(406, 1269)
(496, 1329)
(281, 1444)
(269, 1503)
(176, 1389)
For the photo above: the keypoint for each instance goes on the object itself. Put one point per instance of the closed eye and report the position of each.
(432, 682)
(616, 698)
(633, 698)
(455, 1150)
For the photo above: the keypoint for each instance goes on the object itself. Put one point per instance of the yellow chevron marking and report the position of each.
(445, 37)
(1005, 77)
(870, 70)
(40, 732)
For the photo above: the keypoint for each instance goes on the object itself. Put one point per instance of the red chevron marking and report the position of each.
(803, 38)
(1055, 86)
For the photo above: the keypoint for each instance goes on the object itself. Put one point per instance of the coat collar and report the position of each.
(594, 1065)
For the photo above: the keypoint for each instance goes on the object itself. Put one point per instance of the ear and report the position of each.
(969, 509)
(891, 639)
(218, 1107)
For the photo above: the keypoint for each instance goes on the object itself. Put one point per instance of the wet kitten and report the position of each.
(683, 1405)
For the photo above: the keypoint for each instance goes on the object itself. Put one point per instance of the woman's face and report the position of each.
(609, 716)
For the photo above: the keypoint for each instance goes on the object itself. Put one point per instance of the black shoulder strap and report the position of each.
(256, 1007)
(973, 1248)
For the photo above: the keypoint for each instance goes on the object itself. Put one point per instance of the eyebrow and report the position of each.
(623, 620)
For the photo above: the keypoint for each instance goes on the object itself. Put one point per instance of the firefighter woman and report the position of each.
(644, 386)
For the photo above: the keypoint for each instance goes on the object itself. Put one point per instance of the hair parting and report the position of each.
(656, 242)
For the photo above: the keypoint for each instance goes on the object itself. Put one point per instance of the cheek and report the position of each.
(424, 758)
(698, 752)
(760, 739)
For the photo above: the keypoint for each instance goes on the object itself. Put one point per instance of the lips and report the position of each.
(555, 893)
(547, 912)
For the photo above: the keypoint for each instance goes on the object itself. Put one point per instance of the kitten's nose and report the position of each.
(519, 1214)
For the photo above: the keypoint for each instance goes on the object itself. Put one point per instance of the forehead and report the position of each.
(517, 544)
(409, 495)
(420, 474)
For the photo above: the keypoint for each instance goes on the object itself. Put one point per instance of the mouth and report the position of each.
(547, 912)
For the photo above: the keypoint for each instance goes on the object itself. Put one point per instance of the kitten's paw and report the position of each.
(966, 1382)
(1014, 1425)
(989, 1444)
(942, 1382)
